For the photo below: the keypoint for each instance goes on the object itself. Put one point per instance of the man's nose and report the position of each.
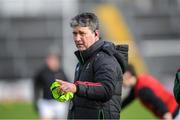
(77, 38)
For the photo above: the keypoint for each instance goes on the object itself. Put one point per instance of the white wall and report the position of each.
(18, 90)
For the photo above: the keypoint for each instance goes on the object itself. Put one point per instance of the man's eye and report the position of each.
(82, 34)
(74, 33)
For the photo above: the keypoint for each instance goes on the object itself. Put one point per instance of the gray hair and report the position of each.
(85, 20)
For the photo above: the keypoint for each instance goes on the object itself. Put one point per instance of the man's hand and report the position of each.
(67, 86)
(167, 116)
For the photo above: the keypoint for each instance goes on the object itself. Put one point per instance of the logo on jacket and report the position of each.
(77, 68)
(87, 67)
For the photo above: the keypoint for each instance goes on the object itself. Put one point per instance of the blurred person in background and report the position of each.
(47, 107)
(151, 93)
(176, 88)
(98, 75)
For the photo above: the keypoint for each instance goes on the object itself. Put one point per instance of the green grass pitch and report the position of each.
(26, 111)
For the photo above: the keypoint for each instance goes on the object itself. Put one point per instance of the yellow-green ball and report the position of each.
(54, 90)
(58, 95)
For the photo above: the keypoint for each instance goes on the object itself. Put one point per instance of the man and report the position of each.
(176, 88)
(47, 107)
(98, 76)
(151, 93)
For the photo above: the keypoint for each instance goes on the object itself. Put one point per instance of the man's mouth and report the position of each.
(79, 45)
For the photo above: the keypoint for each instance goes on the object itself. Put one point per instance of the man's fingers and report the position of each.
(63, 88)
(63, 85)
(60, 81)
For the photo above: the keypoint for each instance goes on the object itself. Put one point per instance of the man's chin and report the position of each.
(81, 49)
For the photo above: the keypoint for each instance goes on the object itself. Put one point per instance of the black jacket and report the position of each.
(176, 88)
(98, 77)
(43, 80)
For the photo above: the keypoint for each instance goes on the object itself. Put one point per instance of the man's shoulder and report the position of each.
(102, 58)
(101, 55)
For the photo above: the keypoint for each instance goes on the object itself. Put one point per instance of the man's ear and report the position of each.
(96, 33)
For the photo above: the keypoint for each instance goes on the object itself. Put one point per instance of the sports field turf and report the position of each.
(17, 111)
(136, 111)
(26, 111)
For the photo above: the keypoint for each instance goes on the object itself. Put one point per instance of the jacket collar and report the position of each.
(86, 54)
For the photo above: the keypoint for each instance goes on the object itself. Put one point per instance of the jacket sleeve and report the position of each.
(176, 89)
(37, 86)
(36, 82)
(147, 96)
(128, 99)
(107, 73)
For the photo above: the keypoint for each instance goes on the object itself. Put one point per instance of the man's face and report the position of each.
(128, 79)
(84, 37)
